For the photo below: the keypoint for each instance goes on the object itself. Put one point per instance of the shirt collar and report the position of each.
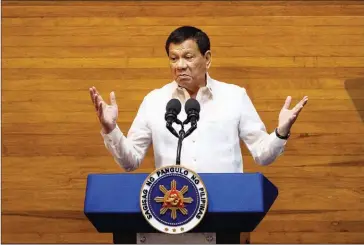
(206, 91)
(209, 83)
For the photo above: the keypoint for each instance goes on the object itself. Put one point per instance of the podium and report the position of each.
(237, 202)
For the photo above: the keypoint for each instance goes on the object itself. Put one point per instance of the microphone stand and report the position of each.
(182, 135)
(179, 147)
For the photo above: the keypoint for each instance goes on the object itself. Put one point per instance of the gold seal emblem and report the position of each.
(173, 199)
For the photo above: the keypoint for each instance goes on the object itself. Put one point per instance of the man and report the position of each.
(227, 115)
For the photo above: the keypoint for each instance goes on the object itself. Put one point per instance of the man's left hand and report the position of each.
(287, 117)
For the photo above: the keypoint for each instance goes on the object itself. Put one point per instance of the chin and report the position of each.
(186, 84)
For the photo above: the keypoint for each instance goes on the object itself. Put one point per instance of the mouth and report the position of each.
(183, 75)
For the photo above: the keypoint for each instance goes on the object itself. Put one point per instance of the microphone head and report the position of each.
(192, 104)
(175, 105)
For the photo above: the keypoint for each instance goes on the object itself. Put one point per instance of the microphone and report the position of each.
(173, 108)
(192, 108)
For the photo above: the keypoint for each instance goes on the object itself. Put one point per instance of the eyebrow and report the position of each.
(184, 52)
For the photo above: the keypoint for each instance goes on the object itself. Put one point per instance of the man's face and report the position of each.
(188, 65)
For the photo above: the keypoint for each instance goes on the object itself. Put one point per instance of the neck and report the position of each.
(193, 94)
(194, 91)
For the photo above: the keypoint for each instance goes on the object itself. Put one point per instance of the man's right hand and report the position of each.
(107, 114)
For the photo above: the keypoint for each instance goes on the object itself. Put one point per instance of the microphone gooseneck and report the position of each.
(179, 146)
(173, 108)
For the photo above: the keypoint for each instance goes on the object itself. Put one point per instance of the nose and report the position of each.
(181, 64)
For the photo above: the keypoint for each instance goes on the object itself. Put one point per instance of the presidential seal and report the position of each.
(173, 199)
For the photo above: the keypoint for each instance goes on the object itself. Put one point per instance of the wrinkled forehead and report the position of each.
(184, 47)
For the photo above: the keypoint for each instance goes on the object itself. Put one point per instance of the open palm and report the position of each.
(106, 113)
(287, 116)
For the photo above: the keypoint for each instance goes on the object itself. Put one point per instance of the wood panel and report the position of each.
(164, 30)
(237, 8)
(107, 21)
(149, 84)
(150, 41)
(289, 62)
(53, 51)
(91, 74)
(267, 50)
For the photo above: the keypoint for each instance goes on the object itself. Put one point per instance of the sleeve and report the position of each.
(264, 147)
(130, 151)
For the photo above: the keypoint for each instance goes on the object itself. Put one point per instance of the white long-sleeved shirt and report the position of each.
(227, 116)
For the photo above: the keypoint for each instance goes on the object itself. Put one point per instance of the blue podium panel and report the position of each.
(236, 202)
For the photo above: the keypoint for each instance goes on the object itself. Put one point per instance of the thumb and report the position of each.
(287, 103)
(112, 98)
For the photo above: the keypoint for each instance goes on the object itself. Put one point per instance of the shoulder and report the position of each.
(232, 96)
(159, 93)
(158, 97)
(154, 102)
(232, 90)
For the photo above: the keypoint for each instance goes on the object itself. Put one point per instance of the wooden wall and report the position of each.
(53, 51)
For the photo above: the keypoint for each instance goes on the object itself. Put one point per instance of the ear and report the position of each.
(207, 57)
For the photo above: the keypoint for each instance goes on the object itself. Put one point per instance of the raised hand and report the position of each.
(287, 117)
(106, 113)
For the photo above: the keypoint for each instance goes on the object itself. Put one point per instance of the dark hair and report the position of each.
(184, 33)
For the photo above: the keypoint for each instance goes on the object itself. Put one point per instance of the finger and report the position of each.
(287, 103)
(100, 112)
(96, 101)
(301, 104)
(305, 99)
(95, 90)
(91, 94)
(299, 108)
(112, 98)
(297, 111)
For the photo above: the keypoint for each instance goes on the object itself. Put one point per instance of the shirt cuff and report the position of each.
(277, 142)
(113, 137)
